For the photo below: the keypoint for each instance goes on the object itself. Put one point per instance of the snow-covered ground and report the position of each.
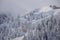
(19, 38)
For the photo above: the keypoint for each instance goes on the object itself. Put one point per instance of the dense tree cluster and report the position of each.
(33, 26)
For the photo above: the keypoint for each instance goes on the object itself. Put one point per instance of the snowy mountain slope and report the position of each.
(42, 21)
(37, 25)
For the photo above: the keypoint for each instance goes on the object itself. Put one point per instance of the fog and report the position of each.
(22, 7)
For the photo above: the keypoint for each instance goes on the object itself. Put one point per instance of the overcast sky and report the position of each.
(22, 7)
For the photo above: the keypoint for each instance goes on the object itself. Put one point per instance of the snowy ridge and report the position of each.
(49, 16)
(33, 16)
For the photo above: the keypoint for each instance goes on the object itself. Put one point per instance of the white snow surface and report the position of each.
(46, 9)
(19, 38)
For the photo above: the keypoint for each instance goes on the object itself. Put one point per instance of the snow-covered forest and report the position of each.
(36, 25)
